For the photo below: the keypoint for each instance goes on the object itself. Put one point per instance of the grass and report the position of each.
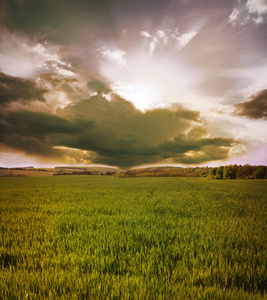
(99, 237)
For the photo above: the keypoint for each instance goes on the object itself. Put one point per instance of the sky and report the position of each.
(133, 83)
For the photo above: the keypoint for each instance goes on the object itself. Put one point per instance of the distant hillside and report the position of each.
(223, 172)
(68, 170)
(25, 172)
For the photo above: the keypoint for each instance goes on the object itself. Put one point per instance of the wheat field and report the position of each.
(100, 237)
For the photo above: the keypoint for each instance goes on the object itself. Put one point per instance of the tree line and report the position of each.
(223, 172)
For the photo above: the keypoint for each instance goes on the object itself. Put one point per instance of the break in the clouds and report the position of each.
(176, 77)
(97, 85)
(19, 56)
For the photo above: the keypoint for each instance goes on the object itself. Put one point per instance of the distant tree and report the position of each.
(239, 172)
(248, 170)
(212, 173)
(235, 168)
(110, 173)
(229, 172)
(219, 173)
(260, 172)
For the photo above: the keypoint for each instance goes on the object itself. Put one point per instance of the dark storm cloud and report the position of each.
(190, 149)
(117, 132)
(256, 108)
(33, 132)
(207, 153)
(34, 124)
(59, 20)
(19, 89)
(66, 20)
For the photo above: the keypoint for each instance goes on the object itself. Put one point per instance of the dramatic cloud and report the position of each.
(256, 108)
(14, 89)
(31, 132)
(179, 66)
(194, 147)
(113, 132)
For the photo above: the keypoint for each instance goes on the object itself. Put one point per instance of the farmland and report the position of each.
(37, 172)
(97, 237)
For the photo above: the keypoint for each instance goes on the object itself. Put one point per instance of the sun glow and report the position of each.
(151, 81)
(144, 95)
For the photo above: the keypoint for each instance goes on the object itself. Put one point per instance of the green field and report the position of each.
(100, 237)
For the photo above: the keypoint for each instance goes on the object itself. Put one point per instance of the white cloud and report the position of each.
(21, 57)
(257, 6)
(258, 20)
(120, 87)
(185, 38)
(117, 55)
(234, 16)
(153, 41)
(163, 35)
(251, 10)
(167, 37)
(145, 34)
(49, 57)
(152, 46)
(65, 73)
(44, 54)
